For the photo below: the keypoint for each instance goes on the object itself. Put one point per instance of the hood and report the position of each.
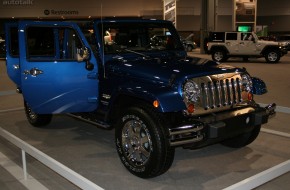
(165, 70)
(268, 42)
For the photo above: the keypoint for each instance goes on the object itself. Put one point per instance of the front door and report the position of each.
(247, 44)
(53, 78)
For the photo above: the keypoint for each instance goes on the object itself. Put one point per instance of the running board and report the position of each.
(95, 122)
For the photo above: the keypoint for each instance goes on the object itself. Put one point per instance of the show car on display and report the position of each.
(114, 74)
(222, 45)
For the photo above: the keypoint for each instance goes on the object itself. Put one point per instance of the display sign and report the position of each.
(170, 11)
(244, 28)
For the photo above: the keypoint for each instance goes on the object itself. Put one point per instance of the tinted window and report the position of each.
(217, 36)
(40, 42)
(52, 43)
(14, 46)
(128, 37)
(231, 36)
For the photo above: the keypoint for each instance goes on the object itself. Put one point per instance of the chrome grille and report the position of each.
(221, 93)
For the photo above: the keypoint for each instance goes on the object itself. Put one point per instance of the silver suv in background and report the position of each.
(222, 45)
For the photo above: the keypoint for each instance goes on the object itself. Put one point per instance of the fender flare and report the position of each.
(214, 47)
(168, 98)
(271, 47)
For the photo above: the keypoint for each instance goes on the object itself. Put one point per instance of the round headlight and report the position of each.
(247, 83)
(191, 91)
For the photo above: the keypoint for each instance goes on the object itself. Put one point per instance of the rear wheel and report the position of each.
(189, 48)
(142, 142)
(219, 55)
(37, 120)
(244, 139)
(272, 56)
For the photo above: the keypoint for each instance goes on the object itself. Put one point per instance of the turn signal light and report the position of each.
(155, 103)
(250, 96)
(190, 108)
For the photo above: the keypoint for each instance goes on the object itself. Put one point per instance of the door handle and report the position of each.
(34, 72)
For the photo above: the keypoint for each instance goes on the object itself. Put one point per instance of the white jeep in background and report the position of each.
(222, 45)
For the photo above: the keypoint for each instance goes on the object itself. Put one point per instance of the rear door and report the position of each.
(231, 42)
(53, 79)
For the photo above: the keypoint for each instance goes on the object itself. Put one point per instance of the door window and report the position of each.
(14, 45)
(47, 43)
(232, 36)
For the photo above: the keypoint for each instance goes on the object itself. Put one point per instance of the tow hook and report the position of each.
(270, 110)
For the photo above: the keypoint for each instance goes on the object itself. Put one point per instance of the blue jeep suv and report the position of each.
(117, 73)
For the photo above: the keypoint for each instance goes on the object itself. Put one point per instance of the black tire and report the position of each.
(272, 56)
(189, 48)
(142, 142)
(219, 55)
(244, 139)
(36, 120)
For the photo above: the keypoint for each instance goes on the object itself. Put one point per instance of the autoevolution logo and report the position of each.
(17, 2)
(60, 12)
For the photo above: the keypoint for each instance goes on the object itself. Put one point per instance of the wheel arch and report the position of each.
(218, 47)
(268, 48)
(168, 101)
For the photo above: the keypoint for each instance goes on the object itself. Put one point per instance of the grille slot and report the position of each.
(221, 93)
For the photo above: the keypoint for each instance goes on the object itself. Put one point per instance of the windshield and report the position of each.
(138, 37)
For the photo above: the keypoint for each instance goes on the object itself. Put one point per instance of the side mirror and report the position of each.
(259, 86)
(84, 54)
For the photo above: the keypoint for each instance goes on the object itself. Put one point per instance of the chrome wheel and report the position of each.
(136, 142)
(272, 56)
(142, 141)
(219, 55)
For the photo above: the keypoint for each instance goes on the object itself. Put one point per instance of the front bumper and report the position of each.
(217, 127)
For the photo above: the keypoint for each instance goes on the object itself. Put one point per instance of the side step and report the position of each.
(86, 118)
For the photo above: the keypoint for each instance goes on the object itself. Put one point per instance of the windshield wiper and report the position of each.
(144, 56)
(137, 53)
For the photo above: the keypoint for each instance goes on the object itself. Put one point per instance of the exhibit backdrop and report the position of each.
(76, 8)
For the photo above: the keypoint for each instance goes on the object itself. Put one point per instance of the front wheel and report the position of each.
(219, 55)
(272, 56)
(243, 139)
(142, 142)
(37, 120)
(189, 48)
